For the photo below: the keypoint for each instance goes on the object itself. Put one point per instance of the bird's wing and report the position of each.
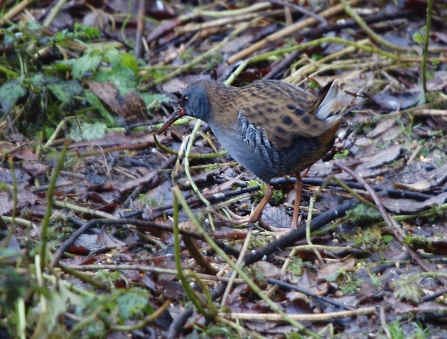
(283, 111)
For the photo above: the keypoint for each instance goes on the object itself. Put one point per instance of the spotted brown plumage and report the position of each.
(272, 128)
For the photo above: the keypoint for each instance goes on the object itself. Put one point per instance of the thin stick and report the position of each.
(373, 35)
(301, 317)
(234, 273)
(288, 31)
(205, 55)
(391, 223)
(15, 10)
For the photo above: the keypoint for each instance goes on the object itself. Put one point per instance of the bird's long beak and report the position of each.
(178, 113)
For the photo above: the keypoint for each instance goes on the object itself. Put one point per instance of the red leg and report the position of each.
(306, 173)
(296, 206)
(255, 215)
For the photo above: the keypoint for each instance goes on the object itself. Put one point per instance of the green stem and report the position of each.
(318, 42)
(426, 41)
(187, 172)
(222, 14)
(427, 274)
(178, 261)
(373, 35)
(49, 210)
(240, 271)
(203, 57)
(9, 72)
(14, 208)
(191, 155)
(238, 71)
(205, 290)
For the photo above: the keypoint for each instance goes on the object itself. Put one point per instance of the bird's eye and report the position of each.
(185, 100)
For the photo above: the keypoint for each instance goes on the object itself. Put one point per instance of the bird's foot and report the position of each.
(237, 219)
(252, 218)
(296, 223)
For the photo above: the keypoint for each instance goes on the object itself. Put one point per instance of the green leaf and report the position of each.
(33, 25)
(10, 92)
(63, 35)
(296, 267)
(342, 154)
(57, 302)
(411, 293)
(362, 213)
(65, 90)
(422, 99)
(387, 238)
(38, 80)
(277, 196)
(64, 65)
(87, 131)
(9, 39)
(253, 183)
(134, 302)
(88, 62)
(88, 32)
(12, 284)
(417, 37)
(109, 276)
(396, 330)
(313, 85)
(129, 61)
(113, 56)
(123, 78)
(49, 132)
(149, 98)
(96, 103)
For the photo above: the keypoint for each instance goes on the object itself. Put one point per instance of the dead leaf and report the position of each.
(381, 127)
(400, 206)
(268, 270)
(126, 106)
(26, 198)
(436, 178)
(131, 184)
(395, 101)
(276, 217)
(385, 156)
(163, 29)
(107, 240)
(332, 269)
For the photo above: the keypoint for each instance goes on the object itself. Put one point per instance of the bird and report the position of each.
(270, 127)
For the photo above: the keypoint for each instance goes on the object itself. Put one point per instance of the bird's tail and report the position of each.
(331, 103)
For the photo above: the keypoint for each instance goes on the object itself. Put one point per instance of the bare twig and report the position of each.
(234, 273)
(140, 28)
(300, 9)
(391, 223)
(301, 317)
(54, 12)
(15, 10)
(288, 31)
(193, 27)
(374, 36)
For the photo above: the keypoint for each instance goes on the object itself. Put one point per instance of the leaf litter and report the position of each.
(113, 199)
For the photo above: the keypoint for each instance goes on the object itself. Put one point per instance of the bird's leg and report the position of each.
(255, 215)
(306, 173)
(296, 206)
